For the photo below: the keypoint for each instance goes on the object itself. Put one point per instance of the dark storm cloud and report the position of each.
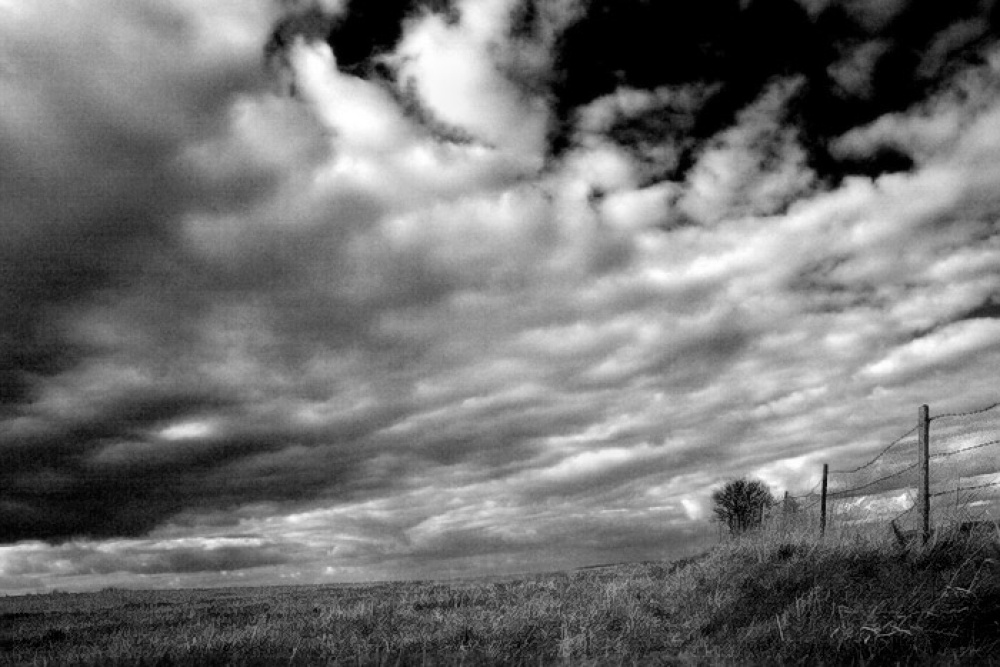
(855, 69)
(96, 176)
(126, 470)
(89, 184)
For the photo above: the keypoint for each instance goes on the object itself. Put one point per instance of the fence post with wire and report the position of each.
(899, 484)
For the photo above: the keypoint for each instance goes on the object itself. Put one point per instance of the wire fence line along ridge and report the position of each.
(876, 500)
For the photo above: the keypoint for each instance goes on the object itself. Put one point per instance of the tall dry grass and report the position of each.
(779, 596)
(784, 595)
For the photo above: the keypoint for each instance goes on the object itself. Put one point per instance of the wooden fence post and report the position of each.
(924, 485)
(822, 503)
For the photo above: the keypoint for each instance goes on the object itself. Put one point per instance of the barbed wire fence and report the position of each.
(946, 469)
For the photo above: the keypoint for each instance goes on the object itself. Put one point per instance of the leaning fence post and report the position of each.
(822, 503)
(924, 485)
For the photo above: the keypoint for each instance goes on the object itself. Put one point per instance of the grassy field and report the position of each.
(769, 599)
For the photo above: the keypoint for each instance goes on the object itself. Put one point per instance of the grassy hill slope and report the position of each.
(764, 600)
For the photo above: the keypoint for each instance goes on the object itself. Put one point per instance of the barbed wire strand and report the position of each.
(965, 449)
(872, 483)
(879, 455)
(965, 414)
(965, 488)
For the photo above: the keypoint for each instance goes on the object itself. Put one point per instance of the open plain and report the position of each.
(767, 599)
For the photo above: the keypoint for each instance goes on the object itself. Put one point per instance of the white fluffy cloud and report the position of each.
(453, 71)
(754, 168)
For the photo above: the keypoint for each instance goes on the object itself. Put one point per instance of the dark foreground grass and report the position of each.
(767, 600)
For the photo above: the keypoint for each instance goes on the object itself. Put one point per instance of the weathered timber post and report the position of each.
(822, 503)
(924, 485)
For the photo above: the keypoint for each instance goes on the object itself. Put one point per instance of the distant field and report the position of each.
(763, 601)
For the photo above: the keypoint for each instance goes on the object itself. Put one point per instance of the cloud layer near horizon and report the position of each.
(472, 296)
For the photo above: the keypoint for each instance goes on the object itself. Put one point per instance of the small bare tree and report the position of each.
(741, 504)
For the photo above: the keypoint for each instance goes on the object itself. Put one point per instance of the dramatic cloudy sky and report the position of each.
(357, 289)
